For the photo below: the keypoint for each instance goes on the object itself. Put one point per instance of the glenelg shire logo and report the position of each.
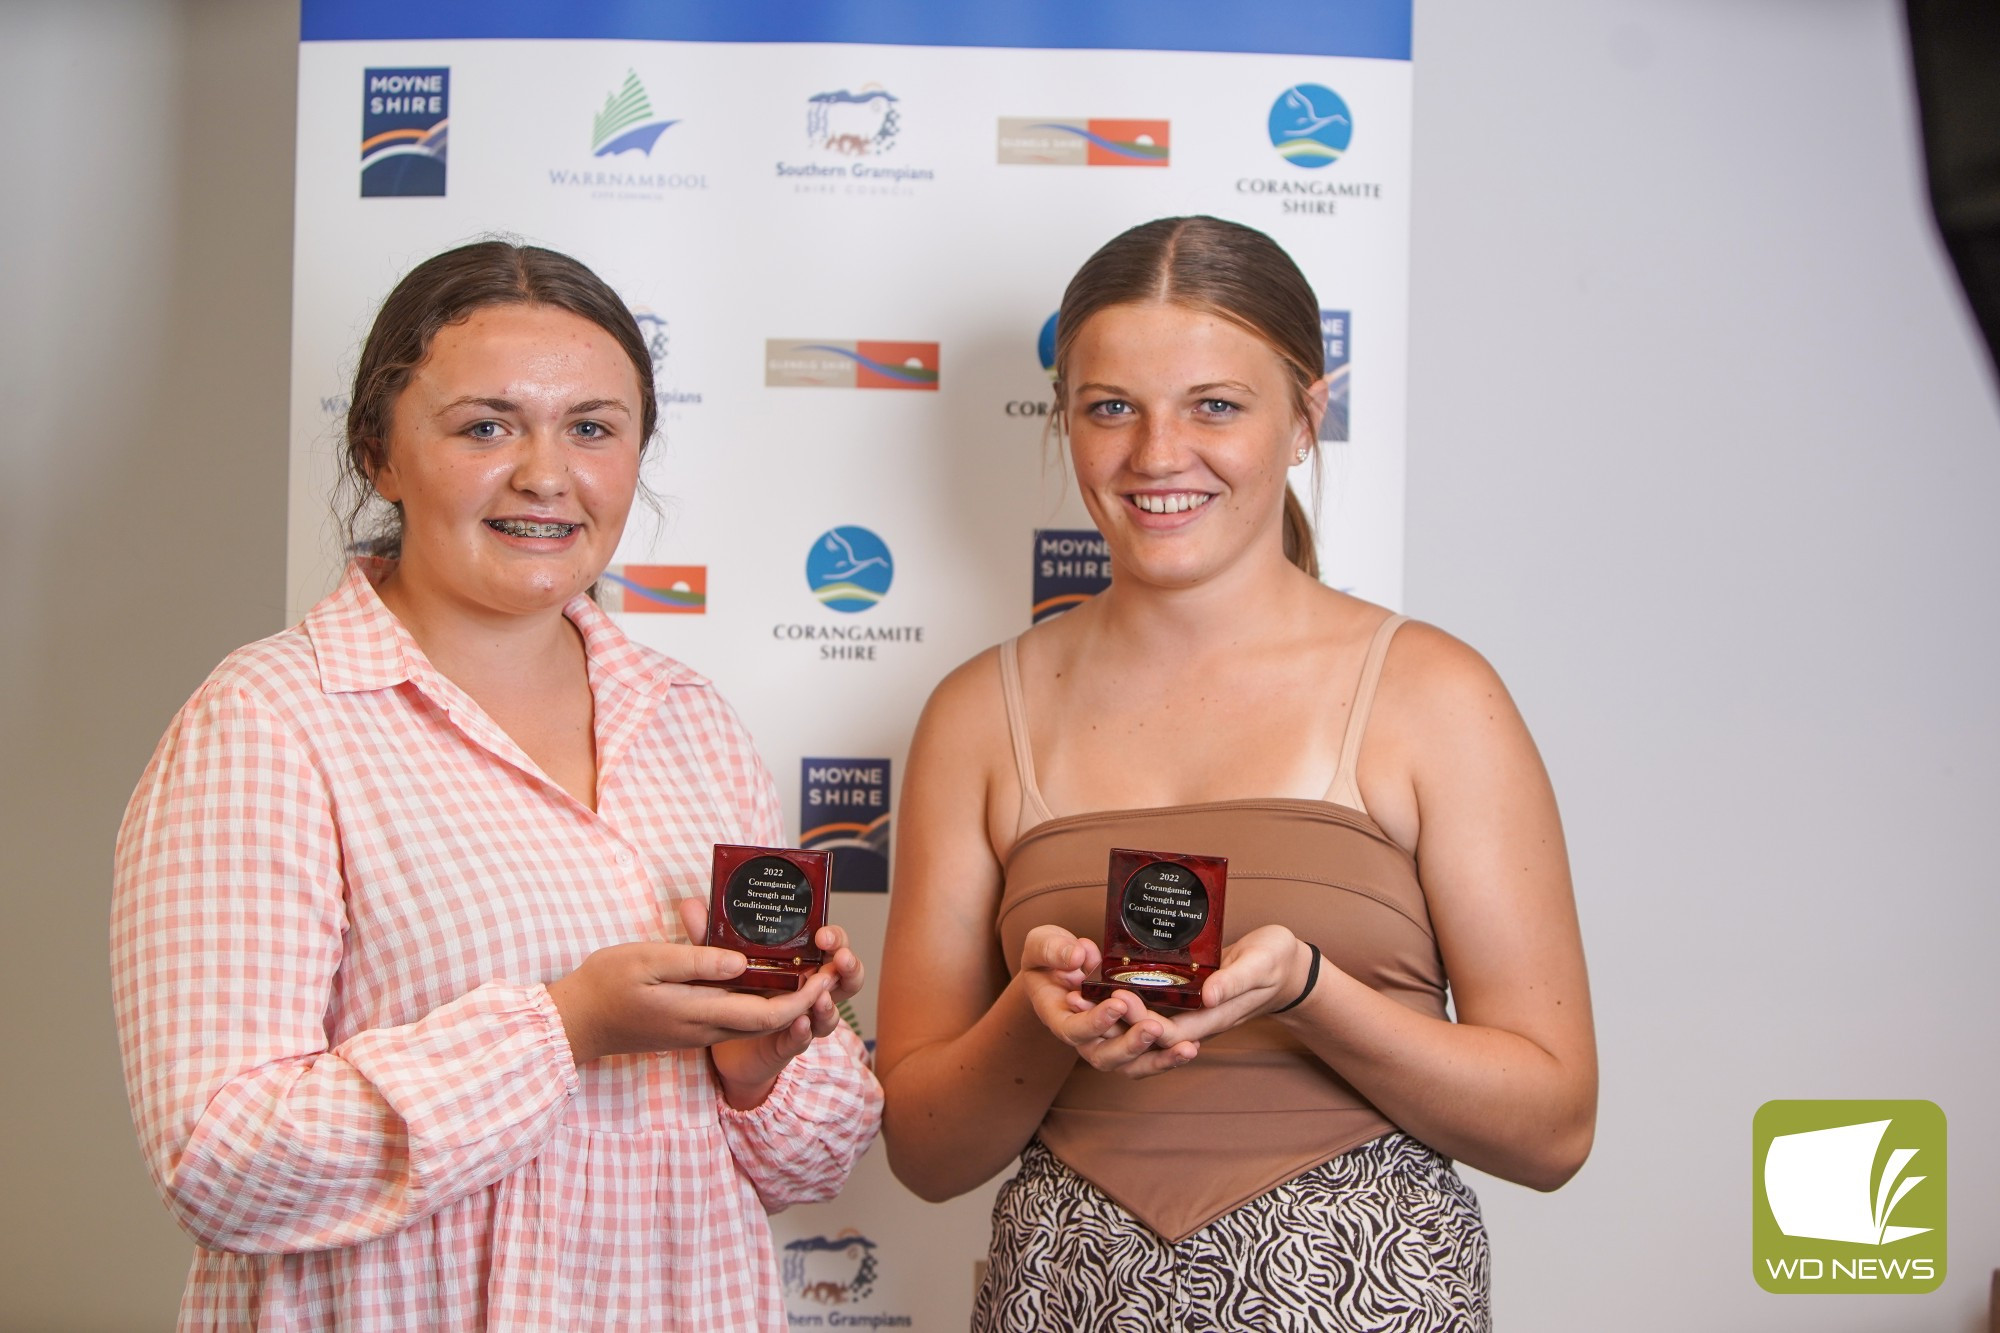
(1032, 141)
(830, 1270)
(827, 364)
(658, 589)
(1848, 1196)
(405, 117)
(849, 569)
(844, 809)
(853, 124)
(625, 124)
(1310, 125)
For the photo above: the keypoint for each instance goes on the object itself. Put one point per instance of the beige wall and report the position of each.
(1701, 455)
(145, 279)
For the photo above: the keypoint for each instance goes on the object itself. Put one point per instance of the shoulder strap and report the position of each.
(1034, 810)
(1344, 789)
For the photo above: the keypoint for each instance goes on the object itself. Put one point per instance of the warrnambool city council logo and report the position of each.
(1848, 1196)
(1310, 125)
(625, 123)
(1335, 326)
(1032, 141)
(830, 1270)
(844, 809)
(680, 590)
(849, 569)
(405, 119)
(853, 123)
(793, 363)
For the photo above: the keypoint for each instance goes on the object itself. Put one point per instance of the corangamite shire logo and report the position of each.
(1045, 346)
(1848, 1196)
(1310, 125)
(849, 569)
(405, 116)
(626, 124)
(661, 589)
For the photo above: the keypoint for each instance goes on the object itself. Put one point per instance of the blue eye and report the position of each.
(483, 430)
(591, 430)
(1111, 407)
(1217, 406)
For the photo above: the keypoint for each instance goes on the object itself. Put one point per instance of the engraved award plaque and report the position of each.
(767, 903)
(1162, 927)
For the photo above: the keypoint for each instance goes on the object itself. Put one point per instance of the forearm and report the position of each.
(960, 1110)
(329, 1149)
(799, 1143)
(1490, 1098)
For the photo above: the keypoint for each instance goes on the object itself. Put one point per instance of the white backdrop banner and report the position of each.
(844, 228)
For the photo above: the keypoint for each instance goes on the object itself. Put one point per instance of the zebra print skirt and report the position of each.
(1384, 1237)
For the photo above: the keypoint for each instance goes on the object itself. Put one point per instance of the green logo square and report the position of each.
(1847, 1196)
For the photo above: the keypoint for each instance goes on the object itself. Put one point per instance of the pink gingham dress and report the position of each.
(341, 889)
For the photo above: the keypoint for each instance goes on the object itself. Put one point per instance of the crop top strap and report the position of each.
(1034, 810)
(1345, 790)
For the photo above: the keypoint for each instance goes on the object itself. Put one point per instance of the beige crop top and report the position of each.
(1256, 1107)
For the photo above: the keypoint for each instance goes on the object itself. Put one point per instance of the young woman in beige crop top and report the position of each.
(1217, 675)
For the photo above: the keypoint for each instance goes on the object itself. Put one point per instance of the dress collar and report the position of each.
(360, 645)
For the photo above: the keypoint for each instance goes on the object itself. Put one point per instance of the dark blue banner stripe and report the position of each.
(1372, 28)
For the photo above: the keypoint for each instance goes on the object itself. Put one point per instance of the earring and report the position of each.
(1300, 456)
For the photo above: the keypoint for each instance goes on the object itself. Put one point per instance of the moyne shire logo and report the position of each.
(1848, 1196)
(849, 569)
(1310, 125)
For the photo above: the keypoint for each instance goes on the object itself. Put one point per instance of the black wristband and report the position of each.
(1312, 979)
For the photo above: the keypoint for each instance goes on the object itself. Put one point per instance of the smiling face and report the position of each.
(514, 453)
(1182, 427)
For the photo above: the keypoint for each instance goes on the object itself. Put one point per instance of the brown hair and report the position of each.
(1225, 269)
(447, 289)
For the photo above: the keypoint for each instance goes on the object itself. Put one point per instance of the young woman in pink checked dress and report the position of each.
(404, 900)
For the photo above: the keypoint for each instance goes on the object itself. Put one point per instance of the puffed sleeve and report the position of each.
(800, 1143)
(227, 929)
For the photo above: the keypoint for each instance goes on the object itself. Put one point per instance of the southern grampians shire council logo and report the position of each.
(848, 132)
(1848, 1196)
(1335, 327)
(849, 569)
(844, 809)
(405, 119)
(653, 328)
(829, 364)
(1310, 125)
(657, 589)
(1044, 141)
(1072, 565)
(830, 1270)
(853, 123)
